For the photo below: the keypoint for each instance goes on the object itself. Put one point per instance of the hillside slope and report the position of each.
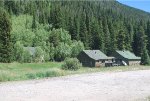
(104, 25)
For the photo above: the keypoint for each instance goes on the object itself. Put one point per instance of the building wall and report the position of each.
(88, 62)
(85, 60)
(119, 58)
(134, 62)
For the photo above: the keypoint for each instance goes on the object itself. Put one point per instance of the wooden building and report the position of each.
(126, 58)
(92, 58)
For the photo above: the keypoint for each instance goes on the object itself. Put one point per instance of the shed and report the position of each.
(31, 50)
(92, 58)
(126, 58)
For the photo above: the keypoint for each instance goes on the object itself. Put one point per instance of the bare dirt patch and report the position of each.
(109, 86)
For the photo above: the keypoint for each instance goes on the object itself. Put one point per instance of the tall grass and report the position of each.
(16, 71)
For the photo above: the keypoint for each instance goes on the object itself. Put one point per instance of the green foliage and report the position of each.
(76, 48)
(62, 51)
(145, 59)
(42, 74)
(18, 52)
(46, 24)
(34, 24)
(51, 52)
(54, 37)
(121, 40)
(71, 64)
(59, 35)
(11, 71)
(5, 37)
(27, 58)
(21, 31)
(148, 36)
(39, 55)
(41, 36)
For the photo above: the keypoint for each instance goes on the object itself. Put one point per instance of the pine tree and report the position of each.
(106, 36)
(145, 59)
(34, 25)
(96, 38)
(113, 37)
(130, 36)
(121, 40)
(148, 34)
(2, 3)
(72, 29)
(57, 17)
(140, 44)
(83, 30)
(77, 27)
(5, 37)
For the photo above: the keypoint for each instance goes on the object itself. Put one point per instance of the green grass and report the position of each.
(17, 71)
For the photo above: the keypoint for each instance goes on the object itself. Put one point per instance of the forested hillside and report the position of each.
(53, 25)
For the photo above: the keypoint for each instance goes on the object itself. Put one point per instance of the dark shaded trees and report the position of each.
(108, 28)
(145, 59)
(5, 37)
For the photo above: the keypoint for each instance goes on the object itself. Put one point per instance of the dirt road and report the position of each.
(110, 86)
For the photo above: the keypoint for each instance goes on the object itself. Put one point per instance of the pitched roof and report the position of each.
(30, 49)
(128, 55)
(95, 54)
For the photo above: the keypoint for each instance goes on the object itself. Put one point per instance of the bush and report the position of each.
(62, 51)
(42, 74)
(76, 48)
(54, 73)
(31, 76)
(71, 64)
(39, 55)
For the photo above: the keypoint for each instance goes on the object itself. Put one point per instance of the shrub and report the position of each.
(71, 64)
(31, 76)
(62, 51)
(18, 51)
(54, 73)
(76, 48)
(39, 54)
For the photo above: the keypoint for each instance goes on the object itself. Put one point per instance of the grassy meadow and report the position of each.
(24, 71)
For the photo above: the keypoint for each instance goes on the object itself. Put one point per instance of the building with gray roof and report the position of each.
(126, 58)
(92, 58)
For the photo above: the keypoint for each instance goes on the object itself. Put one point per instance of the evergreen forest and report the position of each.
(60, 29)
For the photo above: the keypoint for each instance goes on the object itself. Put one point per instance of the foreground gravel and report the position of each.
(110, 86)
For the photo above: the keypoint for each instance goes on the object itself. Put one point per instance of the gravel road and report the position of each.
(109, 86)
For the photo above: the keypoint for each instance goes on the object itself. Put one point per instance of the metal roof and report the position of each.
(31, 50)
(128, 55)
(95, 54)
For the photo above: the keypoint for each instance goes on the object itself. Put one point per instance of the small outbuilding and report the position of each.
(92, 58)
(32, 52)
(126, 58)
